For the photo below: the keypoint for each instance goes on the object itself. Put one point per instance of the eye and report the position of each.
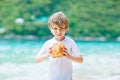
(55, 28)
(62, 28)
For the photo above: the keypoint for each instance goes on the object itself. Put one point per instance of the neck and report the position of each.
(60, 39)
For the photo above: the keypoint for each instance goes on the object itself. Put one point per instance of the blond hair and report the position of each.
(59, 19)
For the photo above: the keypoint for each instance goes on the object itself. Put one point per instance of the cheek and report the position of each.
(64, 32)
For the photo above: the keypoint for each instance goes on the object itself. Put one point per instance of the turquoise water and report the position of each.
(101, 60)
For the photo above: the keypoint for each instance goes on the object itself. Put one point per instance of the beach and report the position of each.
(101, 60)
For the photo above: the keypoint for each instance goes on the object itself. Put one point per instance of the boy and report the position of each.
(60, 67)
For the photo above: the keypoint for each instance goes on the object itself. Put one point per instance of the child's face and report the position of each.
(58, 32)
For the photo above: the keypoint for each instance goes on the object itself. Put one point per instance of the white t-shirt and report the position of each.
(60, 68)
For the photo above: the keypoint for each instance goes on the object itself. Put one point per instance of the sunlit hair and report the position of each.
(59, 19)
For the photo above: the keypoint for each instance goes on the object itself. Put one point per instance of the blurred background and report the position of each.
(94, 25)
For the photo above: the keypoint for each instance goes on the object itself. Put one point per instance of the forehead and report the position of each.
(58, 26)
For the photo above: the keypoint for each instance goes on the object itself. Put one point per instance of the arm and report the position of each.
(78, 59)
(41, 58)
(43, 53)
(75, 56)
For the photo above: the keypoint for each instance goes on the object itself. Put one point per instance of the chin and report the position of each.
(60, 38)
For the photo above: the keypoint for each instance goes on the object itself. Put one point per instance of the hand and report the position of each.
(78, 59)
(66, 52)
(50, 50)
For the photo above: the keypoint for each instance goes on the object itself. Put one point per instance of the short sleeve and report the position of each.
(44, 49)
(75, 49)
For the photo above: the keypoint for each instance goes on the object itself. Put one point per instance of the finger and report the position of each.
(50, 48)
(65, 48)
(65, 52)
(50, 51)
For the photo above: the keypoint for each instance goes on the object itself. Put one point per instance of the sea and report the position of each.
(17, 60)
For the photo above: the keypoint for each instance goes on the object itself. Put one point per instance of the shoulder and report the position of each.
(48, 42)
(69, 39)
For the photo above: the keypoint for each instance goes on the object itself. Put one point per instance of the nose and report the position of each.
(59, 32)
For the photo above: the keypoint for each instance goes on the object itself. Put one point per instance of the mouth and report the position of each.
(59, 35)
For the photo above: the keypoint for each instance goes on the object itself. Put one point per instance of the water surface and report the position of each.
(101, 60)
